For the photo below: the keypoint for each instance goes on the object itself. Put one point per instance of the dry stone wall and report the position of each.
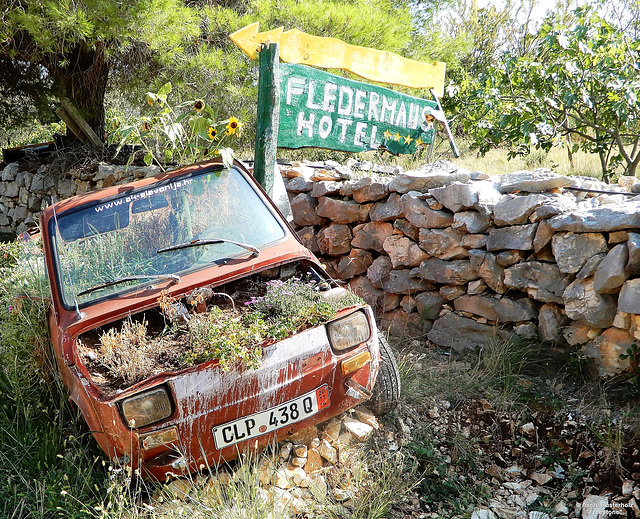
(459, 256)
(23, 192)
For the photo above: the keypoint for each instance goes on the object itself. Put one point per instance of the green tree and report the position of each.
(581, 80)
(55, 48)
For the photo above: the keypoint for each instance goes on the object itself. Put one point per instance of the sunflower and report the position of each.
(233, 125)
(212, 133)
(145, 127)
(198, 105)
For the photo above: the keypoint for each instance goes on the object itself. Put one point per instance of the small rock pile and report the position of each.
(304, 475)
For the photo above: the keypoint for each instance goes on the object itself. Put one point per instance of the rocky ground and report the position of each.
(530, 442)
(495, 436)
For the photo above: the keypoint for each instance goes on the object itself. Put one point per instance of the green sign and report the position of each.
(326, 111)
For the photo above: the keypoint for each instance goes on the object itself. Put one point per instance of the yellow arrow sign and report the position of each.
(375, 65)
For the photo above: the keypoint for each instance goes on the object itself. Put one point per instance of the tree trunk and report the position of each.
(83, 80)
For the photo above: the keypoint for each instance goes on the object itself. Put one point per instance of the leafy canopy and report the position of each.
(579, 86)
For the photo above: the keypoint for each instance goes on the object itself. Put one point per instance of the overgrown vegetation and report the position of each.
(232, 336)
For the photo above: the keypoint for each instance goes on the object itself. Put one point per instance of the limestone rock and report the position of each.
(610, 273)
(516, 237)
(325, 188)
(357, 262)
(10, 172)
(299, 185)
(359, 429)
(309, 237)
(633, 248)
(502, 310)
(368, 190)
(600, 219)
(452, 292)
(314, 461)
(403, 282)
(379, 271)
(389, 210)
(551, 323)
(303, 207)
(515, 210)
(472, 222)
(542, 281)
(342, 211)
(334, 239)
(419, 214)
(443, 243)
(371, 235)
(456, 272)
(406, 228)
(573, 250)
(536, 181)
(400, 323)
(607, 348)
(488, 196)
(428, 177)
(582, 303)
(629, 299)
(455, 196)
(577, 333)
(474, 241)
(362, 287)
(403, 251)
(429, 304)
(328, 452)
(590, 266)
(461, 333)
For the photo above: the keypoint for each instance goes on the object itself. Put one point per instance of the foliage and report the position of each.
(231, 336)
(124, 352)
(49, 49)
(182, 134)
(41, 454)
(578, 86)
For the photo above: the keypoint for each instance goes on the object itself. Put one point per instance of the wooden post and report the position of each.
(81, 123)
(268, 115)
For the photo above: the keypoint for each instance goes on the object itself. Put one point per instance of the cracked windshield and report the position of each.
(166, 229)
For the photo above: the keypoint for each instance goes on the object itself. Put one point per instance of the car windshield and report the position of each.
(172, 227)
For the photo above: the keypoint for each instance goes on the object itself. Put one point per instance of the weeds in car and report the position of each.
(125, 352)
(231, 334)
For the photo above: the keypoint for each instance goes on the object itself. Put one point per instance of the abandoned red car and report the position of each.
(189, 322)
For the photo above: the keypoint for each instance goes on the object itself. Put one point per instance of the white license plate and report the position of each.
(264, 422)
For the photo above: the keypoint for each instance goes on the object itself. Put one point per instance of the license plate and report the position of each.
(264, 422)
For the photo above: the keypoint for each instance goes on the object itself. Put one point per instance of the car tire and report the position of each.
(386, 391)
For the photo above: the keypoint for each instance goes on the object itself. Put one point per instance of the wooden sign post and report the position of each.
(267, 121)
(300, 106)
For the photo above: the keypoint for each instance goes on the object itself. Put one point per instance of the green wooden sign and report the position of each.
(327, 111)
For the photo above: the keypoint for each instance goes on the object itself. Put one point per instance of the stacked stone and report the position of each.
(24, 193)
(460, 256)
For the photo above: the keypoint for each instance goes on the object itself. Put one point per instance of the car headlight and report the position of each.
(350, 331)
(148, 407)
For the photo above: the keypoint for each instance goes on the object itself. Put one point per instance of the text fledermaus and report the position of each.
(323, 110)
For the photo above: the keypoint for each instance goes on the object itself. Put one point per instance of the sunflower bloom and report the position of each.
(212, 133)
(145, 127)
(198, 105)
(233, 125)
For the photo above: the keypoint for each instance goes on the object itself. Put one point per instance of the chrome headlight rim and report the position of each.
(137, 420)
(337, 331)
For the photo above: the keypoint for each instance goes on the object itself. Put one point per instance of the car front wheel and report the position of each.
(386, 392)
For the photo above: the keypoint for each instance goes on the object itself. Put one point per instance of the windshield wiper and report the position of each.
(173, 277)
(197, 242)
